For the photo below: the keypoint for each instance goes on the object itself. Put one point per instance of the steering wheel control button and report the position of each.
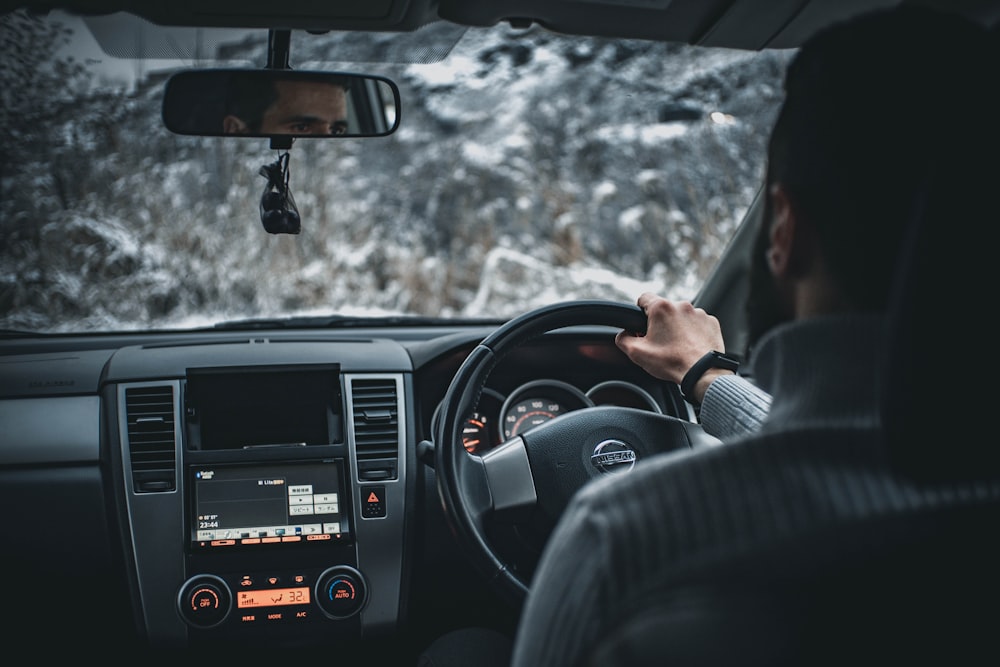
(341, 592)
(204, 601)
(613, 456)
(372, 502)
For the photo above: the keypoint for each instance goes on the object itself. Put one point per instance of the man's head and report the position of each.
(875, 109)
(259, 104)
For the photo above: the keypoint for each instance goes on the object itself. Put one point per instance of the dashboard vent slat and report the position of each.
(376, 421)
(149, 412)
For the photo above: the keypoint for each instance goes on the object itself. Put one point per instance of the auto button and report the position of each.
(341, 592)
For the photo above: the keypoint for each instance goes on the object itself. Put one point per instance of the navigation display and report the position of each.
(259, 504)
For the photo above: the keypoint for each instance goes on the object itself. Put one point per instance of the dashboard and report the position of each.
(218, 489)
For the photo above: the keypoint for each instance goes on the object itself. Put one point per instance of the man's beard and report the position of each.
(766, 307)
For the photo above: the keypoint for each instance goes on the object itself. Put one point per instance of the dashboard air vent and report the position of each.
(150, 415)
(376, 428)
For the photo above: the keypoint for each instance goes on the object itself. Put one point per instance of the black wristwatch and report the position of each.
(713, 359)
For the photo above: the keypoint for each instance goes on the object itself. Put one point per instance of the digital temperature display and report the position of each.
(272, 597)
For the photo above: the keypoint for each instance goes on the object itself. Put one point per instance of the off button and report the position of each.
(204, 601)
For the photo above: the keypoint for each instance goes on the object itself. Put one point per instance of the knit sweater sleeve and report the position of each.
(733, 406)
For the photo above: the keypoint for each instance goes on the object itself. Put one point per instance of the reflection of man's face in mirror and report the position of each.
(298, 107)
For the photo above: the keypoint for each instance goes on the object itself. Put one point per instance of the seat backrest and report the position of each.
(913, 590)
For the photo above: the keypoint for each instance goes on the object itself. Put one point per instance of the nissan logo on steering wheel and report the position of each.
(613, 456)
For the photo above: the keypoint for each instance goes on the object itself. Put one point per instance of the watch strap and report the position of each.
(713, 359)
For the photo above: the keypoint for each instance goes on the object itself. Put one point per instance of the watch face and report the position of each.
(722, 360)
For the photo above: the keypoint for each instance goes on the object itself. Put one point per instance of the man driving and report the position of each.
(720, 556)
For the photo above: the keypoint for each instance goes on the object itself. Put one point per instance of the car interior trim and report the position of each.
(509, 475)
(32, 436)
(380, 544)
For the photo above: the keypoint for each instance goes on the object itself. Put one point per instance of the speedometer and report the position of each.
(529, 413)
(537, 402)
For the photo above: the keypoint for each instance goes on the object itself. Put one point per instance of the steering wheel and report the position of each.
(541, 469)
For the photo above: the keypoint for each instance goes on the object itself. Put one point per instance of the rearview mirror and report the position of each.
(285, 103)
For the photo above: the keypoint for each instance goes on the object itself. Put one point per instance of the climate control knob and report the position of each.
(204, 601)
(341, 592)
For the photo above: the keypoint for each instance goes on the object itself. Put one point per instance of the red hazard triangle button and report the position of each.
(373, 506)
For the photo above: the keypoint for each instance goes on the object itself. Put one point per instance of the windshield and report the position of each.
(528, 168)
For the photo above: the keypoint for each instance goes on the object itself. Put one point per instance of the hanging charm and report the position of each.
(278, 212)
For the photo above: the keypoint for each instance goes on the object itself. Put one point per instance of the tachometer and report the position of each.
(476, 433)
(479, 433)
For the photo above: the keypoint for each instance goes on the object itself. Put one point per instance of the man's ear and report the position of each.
(782, 233)
(234, 125)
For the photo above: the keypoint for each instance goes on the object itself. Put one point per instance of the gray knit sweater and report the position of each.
(733, 406)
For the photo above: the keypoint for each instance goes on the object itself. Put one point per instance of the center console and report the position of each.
(269, 543)
(265, 502)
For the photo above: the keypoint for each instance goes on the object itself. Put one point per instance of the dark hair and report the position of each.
(873, 107)
(249, 96)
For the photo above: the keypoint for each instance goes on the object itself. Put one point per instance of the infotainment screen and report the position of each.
(250, 505)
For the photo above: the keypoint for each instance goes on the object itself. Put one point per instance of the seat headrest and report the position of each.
(938, 398)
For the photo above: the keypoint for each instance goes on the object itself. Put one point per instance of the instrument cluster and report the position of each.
(499, 417)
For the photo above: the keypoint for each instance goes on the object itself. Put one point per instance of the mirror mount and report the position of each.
(279, 47)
